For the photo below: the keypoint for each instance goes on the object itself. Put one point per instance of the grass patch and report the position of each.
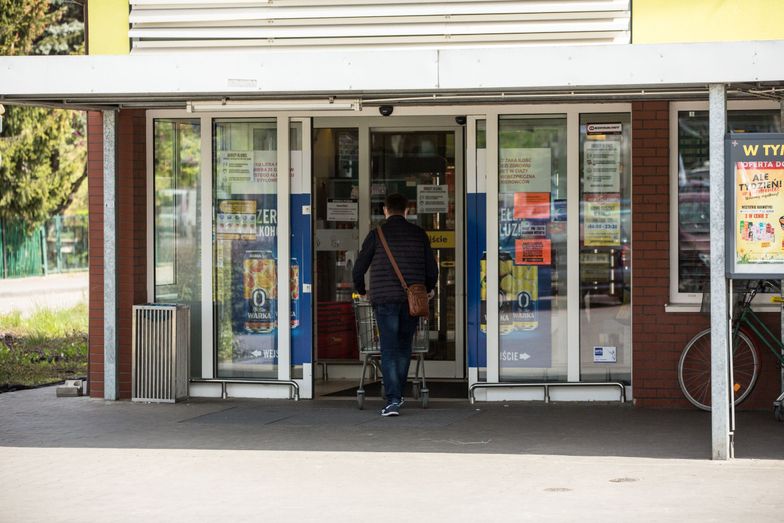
(45, 347)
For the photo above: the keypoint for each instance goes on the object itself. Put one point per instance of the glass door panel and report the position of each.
(605, 247)
(177, 221)
(336, 183)
(421, 166)
(245, 225)
(532, 248)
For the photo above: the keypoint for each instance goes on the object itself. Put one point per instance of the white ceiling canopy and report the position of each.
(619, 71)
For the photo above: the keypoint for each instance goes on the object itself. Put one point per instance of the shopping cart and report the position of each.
(370, 350)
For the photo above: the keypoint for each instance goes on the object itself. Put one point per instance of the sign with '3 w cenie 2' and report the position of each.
(755, 205)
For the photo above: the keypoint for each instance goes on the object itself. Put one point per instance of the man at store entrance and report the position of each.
(410, 246)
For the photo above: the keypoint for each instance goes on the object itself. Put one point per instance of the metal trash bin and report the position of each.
(160, 357)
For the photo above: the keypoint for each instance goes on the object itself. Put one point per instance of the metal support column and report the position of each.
(720, 391)
(110, 353)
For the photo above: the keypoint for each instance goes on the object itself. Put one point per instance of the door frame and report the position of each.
(366, 125)
(368, 117)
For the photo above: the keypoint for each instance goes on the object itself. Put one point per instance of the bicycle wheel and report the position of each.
(694, 369)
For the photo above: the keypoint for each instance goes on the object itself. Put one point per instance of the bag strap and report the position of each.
(391, 258)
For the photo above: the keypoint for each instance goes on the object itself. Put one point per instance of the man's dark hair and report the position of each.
(396, 203)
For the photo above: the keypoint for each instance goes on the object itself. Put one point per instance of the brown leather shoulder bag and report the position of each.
(418, 305)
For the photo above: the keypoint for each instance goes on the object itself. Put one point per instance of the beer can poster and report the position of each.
(524, 290)
(758, 195)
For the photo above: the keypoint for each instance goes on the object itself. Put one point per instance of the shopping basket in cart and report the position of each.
(370, 350)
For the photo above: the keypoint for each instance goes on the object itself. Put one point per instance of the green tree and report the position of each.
(43, 155)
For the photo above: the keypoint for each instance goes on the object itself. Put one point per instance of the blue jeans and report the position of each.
(396, 328)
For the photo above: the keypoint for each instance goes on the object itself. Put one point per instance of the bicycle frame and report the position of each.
(749, 319)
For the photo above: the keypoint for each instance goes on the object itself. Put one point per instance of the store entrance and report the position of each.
(354, 168)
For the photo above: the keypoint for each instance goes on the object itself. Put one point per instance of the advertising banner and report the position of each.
(755, 229)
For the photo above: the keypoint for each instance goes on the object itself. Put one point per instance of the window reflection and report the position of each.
(694, 188)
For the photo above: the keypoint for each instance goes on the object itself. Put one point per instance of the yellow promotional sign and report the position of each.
(759, 218)
(442, 239)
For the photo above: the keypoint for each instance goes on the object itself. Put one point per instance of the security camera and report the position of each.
(386, 110)
(460, 120)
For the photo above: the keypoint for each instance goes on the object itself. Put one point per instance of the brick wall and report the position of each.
(95, 191)
(659, 337)
(131, 240)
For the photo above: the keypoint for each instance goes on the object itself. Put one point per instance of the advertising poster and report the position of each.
(602, 166)
(254, 288)
(236, 220)
(602, 220)
(524, 170)
(759, 212)
(524, 287)
(754, 232)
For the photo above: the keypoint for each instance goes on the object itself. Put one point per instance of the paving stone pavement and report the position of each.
(255, 460)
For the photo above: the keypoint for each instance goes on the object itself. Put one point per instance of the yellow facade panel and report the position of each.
(107, 27)
(674, 21)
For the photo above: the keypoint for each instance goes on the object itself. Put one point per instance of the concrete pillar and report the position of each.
(110, 352)
(720, 382)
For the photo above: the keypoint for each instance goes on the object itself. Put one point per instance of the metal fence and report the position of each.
(58, 246)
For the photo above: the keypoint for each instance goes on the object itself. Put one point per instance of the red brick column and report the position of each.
(131, 240)
(95, 209)
(658, 336)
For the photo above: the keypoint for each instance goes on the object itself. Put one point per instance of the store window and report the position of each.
(605, 248)
(177, 221)
(693, 192)
(246, 261)
(532, 248)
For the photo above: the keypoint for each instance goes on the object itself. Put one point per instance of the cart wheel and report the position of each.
(425, 398)
(778, 413)
(361, 400)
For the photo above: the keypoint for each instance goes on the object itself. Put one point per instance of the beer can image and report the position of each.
(260, 291)
(506, 294)
(294, 292)
(525, 308)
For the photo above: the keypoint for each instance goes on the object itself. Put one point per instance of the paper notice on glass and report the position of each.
(432, 198)
(532, 205)
(233, 167)
(265, 172)
(533, 252)
(602, 220)
(602, 166)
(524, 170)
(342, 210)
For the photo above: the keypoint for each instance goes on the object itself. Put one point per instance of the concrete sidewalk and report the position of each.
(76, 459)
(55, 291)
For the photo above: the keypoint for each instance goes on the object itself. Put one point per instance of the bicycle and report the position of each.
(694, 366)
